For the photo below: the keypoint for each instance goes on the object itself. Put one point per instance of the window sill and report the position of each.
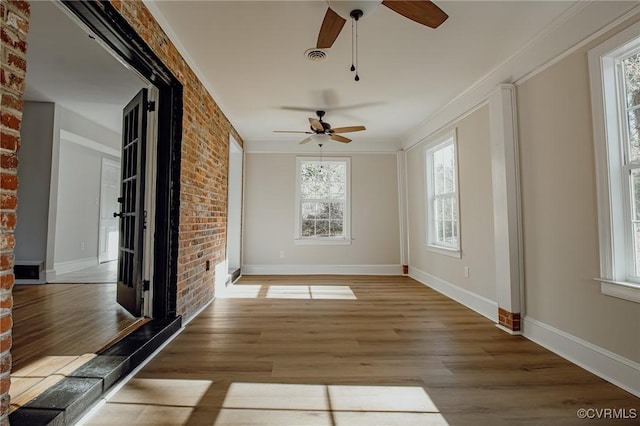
(445, 251)
(322, 241)
(623, 290)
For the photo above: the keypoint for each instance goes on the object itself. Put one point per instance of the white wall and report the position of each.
(34, 175)
(564, 309)
(476, 212)
(560, 222)
(81, 147)
(268, 245)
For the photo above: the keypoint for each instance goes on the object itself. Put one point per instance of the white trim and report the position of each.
(508, 330)
(88, 143)
(323, 241)
(74, 265)
(448, 138)
(505, 185)
(627, 291)
(612, 367)
(316, 152)
(346, 214)
(485, 307)
(321, 269)
(403, 217)
(444, 251)
(577, 46)
(572, 29)
(611, 187)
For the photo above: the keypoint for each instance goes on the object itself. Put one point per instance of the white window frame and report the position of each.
(614, 204)
(430, 241)
(346, 220)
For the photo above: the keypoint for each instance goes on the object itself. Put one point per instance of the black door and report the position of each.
(132, 214)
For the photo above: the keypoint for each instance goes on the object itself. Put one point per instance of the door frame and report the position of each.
(118, 37)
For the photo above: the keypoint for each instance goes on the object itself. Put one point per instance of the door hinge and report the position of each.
(145, 285)
(151, 106)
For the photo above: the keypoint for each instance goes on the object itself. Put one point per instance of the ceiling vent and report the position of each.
(316, 54)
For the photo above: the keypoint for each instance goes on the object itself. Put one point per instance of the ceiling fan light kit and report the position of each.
(321, 131)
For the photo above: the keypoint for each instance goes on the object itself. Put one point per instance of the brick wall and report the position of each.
(203, 180)
(205, 144)
(14, 24)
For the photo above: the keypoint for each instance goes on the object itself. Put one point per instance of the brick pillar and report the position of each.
(14, 26)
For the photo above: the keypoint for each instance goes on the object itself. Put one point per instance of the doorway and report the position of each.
(234, 210)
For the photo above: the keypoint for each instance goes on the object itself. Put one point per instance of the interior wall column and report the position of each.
(506, 207)
(401, 157)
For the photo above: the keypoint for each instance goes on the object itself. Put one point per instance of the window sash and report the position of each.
(442, 232)
(325, 226)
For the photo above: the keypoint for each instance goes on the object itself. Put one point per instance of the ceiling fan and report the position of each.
(423, 12)
(319, 127)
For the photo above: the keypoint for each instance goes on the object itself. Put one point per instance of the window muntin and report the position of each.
(322, 205)
(443, 224)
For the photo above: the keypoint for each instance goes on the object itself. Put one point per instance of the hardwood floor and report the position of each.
(64, 320)
(333, 350)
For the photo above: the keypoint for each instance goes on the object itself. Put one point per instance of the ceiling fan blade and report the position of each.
(348, 129)
(330, 29)
(306, 140)
(291, 131)
(339, 138)
(316, 124)
(422, 12)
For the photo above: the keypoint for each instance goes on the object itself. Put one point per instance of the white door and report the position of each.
(109, 193)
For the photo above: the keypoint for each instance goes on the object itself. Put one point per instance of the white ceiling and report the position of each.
(250, 55)
(67, 67)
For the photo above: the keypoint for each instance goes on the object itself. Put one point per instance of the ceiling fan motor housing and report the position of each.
(344, 8)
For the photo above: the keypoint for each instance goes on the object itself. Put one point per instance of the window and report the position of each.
(443, 225)
(615, 89)
(322, 201)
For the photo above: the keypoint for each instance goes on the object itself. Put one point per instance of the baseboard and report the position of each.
(612, 367)
(74, 265)
(480, 304)
(321, 269)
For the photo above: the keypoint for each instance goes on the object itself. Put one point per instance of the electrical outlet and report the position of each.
(82, 246)
(466, 272)
(281, 254)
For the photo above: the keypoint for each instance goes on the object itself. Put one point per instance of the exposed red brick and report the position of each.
(6, 261)
(7, 242)
(508, 319)
(5, 382)
(7, 141)
(6, 281)
(5, 342)
(8, 201)
(5, 323)
(10, 121)
(8, 181)
(7, 222)
(11, 101)
(8, 161)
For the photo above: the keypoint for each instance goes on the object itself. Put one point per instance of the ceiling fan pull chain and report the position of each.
(353, 68)
(357, 77)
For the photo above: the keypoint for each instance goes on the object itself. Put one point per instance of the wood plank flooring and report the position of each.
(64, 320)
(355, 350)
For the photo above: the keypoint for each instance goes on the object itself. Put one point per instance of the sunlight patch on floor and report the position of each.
(36, 377)
(316, 292)
(327, 405)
